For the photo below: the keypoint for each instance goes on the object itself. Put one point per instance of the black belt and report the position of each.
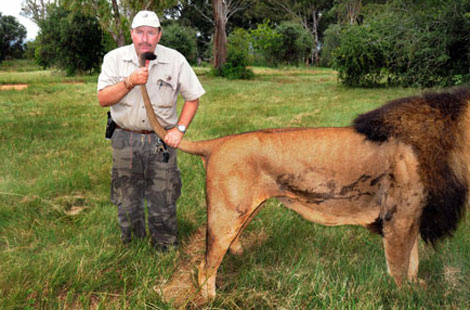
(142, 132)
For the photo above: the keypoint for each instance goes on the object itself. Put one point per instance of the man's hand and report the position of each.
(139, 76)
(173, 137)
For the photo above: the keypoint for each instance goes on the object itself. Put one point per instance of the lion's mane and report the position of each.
(432, 124)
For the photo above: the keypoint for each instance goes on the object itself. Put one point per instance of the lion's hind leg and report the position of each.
(225, 222)
(236, 248)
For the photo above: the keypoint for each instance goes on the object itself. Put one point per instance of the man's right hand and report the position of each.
(139, 76)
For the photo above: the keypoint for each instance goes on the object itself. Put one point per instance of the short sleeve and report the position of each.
(189, 85)
(109, 73)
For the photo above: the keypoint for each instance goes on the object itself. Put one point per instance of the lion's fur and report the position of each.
(434, 124)
(401, 169)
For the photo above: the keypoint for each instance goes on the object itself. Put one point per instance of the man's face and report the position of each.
(145, 39)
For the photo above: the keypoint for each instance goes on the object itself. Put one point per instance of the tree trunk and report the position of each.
(220, 36)
(118, 33)
(315, 54)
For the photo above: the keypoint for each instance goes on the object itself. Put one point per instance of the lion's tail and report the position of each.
(201, 148)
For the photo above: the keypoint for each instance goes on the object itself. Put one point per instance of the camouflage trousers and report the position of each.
(140, 173)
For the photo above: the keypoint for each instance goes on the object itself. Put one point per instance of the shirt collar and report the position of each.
(162, 56)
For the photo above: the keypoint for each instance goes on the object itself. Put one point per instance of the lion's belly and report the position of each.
(329, 201)
(361, 211)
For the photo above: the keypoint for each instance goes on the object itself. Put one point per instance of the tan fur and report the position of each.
(332, 176)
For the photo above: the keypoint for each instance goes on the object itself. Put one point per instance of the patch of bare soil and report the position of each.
(74, 82)
(181, 289)
(13, 86)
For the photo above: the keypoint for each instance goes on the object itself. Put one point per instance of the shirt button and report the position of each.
(143, 121)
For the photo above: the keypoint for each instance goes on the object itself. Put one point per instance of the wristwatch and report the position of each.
(181, 128)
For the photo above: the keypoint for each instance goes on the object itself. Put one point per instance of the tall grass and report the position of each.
(59, 238)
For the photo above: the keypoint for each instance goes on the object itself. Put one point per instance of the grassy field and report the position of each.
(59, 238)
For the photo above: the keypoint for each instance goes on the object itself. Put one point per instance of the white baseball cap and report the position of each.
(145, 18)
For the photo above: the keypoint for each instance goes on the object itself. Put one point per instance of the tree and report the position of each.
(70, 41)
(220, 34)
(266, 41)
(308, 13)
(348, 11)
(36, 10)
(222, 11)
(294, 43)
(114, 16)
(182, 39)
(199, 14)
(12, 35)
(407, 43)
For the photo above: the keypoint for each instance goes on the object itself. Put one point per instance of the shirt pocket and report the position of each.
(165, 90)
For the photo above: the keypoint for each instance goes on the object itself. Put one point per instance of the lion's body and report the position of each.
(401, 170)
(331, 176)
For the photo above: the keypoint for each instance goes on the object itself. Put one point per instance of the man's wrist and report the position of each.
(181, 128)
(127, 82)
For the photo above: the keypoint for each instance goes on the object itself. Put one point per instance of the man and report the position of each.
(144, 166)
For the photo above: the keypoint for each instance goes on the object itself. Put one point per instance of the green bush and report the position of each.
(72, 42)
(12, 35)
(407, 44)
(182, 39)
(360, 57)
(238, 57)
(295, 43)
(331, 41)
(265, 41)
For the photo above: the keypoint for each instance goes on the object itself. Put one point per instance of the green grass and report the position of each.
(54, 159)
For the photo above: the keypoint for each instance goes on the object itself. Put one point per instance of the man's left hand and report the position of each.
(173, 137)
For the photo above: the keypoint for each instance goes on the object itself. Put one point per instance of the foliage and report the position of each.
(12, 35)
(182, 39)
(266, 41)
(195, 14)
(72, 42)
(237, 57)
(115, 16)
(361, 56)
(409, 44)
(331, 41)
(295, 43)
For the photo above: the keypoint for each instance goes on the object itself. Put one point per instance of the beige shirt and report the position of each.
(169, 75)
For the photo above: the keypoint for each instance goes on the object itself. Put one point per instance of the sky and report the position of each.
(13, 8)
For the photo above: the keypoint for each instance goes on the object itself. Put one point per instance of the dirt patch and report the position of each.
(73, 82)
(181, 289)
(13, 86)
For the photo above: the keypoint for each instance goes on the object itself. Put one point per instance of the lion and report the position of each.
(400, 170)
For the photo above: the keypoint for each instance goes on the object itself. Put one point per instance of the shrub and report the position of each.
(237, 56)
(182, 39)
(331, 41)
(265, 42)
(12, 35)
(360, 57)
(295, 43)
(72, 42)
(407, 44)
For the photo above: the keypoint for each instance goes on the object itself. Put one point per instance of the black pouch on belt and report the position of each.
(110, 127)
